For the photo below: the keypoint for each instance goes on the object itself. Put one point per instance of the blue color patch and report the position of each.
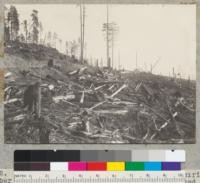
(153, 166)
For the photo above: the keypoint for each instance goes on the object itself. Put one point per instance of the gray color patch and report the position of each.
(123, 155)
(140, 155)
(156, 155)
(106, 155)
(89, 155)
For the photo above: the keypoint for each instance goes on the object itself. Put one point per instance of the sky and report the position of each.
(147, 33)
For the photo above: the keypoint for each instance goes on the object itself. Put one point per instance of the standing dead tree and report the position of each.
(35, 26)
(6, 25)
(12, 24)
(40, 32)
(82, 31)
(110, 29)
(25, 25)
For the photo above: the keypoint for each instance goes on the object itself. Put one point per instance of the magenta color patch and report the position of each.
(77, 166)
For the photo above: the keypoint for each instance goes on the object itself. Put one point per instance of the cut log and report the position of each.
(99, 87)
(12, 101)
(57, 99)
(97, 105)
(120, 89)
(82, 97)
(114, 112)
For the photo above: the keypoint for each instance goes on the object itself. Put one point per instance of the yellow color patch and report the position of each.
(115, 166)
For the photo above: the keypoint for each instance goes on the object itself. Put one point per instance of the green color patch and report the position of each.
(134, 166)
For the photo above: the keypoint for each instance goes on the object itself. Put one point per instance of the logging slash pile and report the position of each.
(52, 105)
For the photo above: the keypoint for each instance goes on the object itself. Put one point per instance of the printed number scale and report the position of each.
(99, 177)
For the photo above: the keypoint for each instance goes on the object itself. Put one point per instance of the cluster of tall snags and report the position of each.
(11, 24)
(31, 31)
(25, 31)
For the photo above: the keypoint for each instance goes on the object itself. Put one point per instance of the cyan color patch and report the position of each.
(152, 166)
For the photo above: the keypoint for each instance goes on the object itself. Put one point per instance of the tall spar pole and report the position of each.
(113, 48)
(81, 34)
(107, 37)
(83, 31)
(136, 64)
(118, 61)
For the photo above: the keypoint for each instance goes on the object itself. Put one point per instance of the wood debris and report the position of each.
(80, 107)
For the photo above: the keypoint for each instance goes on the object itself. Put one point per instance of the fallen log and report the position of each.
(82, 70)
(16, 120)
(99, 87)
(12, 101)
(111, 87)
(109, 82)
(82, 97)
(73, 72)
(111, 96)
(96, 105)
(123, 103)
(119, 112)
(120, 89)
(67, 97)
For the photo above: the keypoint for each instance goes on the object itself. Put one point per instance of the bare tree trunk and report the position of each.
(136, 65)
(11, 31)
(39, 102)
(26, 35)
(36, 108)
(107, 38)
(81, 35)
(119, 61)
(113, 49)
(44, 131)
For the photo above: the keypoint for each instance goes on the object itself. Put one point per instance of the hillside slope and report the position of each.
(83, 104)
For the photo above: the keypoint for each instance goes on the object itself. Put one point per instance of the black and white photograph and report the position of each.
(99, 74)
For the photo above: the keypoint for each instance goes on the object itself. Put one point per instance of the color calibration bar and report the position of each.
(99, 156)
(98, 166)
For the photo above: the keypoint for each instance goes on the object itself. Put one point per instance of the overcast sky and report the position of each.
(165, 32)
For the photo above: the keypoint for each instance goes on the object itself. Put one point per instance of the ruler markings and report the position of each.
(8, 176)
(147, 180)
(112, 177)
